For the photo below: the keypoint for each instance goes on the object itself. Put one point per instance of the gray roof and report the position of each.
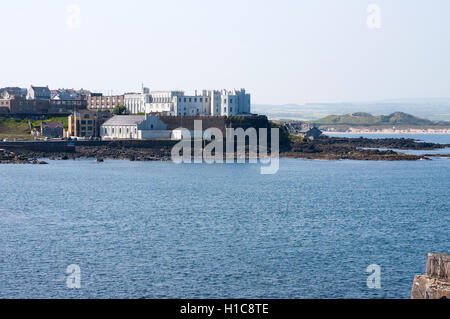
(125, 120)
(41, 90)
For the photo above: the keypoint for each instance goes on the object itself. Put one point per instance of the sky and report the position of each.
(284, 51)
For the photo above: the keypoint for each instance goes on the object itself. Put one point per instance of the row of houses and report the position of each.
(42, 100)
(43, 93)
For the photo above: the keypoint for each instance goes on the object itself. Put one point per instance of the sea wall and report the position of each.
(44, 147)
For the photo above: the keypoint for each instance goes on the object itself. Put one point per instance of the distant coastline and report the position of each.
(399, 132)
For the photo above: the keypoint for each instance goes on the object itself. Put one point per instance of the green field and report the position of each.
(20, 128)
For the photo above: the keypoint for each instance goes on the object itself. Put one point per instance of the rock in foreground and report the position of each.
(435, 284)
(7, 157)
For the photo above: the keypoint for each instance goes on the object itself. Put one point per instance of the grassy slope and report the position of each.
(20, 128)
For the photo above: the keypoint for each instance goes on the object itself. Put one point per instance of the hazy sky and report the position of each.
(284, 51)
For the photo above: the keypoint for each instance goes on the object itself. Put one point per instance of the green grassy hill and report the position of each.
(367, 119)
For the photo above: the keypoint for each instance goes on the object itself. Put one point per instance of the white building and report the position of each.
(163, 101)
(134, 127)
(215, 103)
(227, 103)
(135, 102)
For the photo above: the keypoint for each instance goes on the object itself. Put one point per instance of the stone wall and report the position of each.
(435, 284)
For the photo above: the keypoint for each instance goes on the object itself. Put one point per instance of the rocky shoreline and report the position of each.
(7, 157)
(335, 148)
(327, 148)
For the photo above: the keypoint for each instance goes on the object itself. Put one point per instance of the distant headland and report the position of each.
(366, 123)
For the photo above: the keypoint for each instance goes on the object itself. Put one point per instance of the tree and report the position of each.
(119, 110)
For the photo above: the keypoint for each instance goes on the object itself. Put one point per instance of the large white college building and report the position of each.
(212, 102)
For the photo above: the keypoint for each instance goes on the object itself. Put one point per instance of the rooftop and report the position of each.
(52, 124)
(125, 120)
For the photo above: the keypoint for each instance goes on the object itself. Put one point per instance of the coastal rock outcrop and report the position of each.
(7, 157)
(435, 284)
(324, 148)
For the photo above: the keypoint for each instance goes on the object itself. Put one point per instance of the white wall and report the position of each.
(119, 131)
(150, 127)
(135, 103)
(216, 103)
(150, 134)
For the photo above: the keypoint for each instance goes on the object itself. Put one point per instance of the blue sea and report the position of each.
(161, 230)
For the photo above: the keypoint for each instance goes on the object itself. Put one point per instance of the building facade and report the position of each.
(52, 129)
(11, 92)
(86, 123)
(68, 94)
(150, 126)
(39, 93)
(98, 101)
(22, 106)
(176, 103)
(135, 102)
(135, 127)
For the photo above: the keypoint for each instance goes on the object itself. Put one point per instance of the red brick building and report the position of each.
(98, 101)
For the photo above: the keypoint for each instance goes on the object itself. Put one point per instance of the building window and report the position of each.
(201, 99)
(231, 101)
(225, 101)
